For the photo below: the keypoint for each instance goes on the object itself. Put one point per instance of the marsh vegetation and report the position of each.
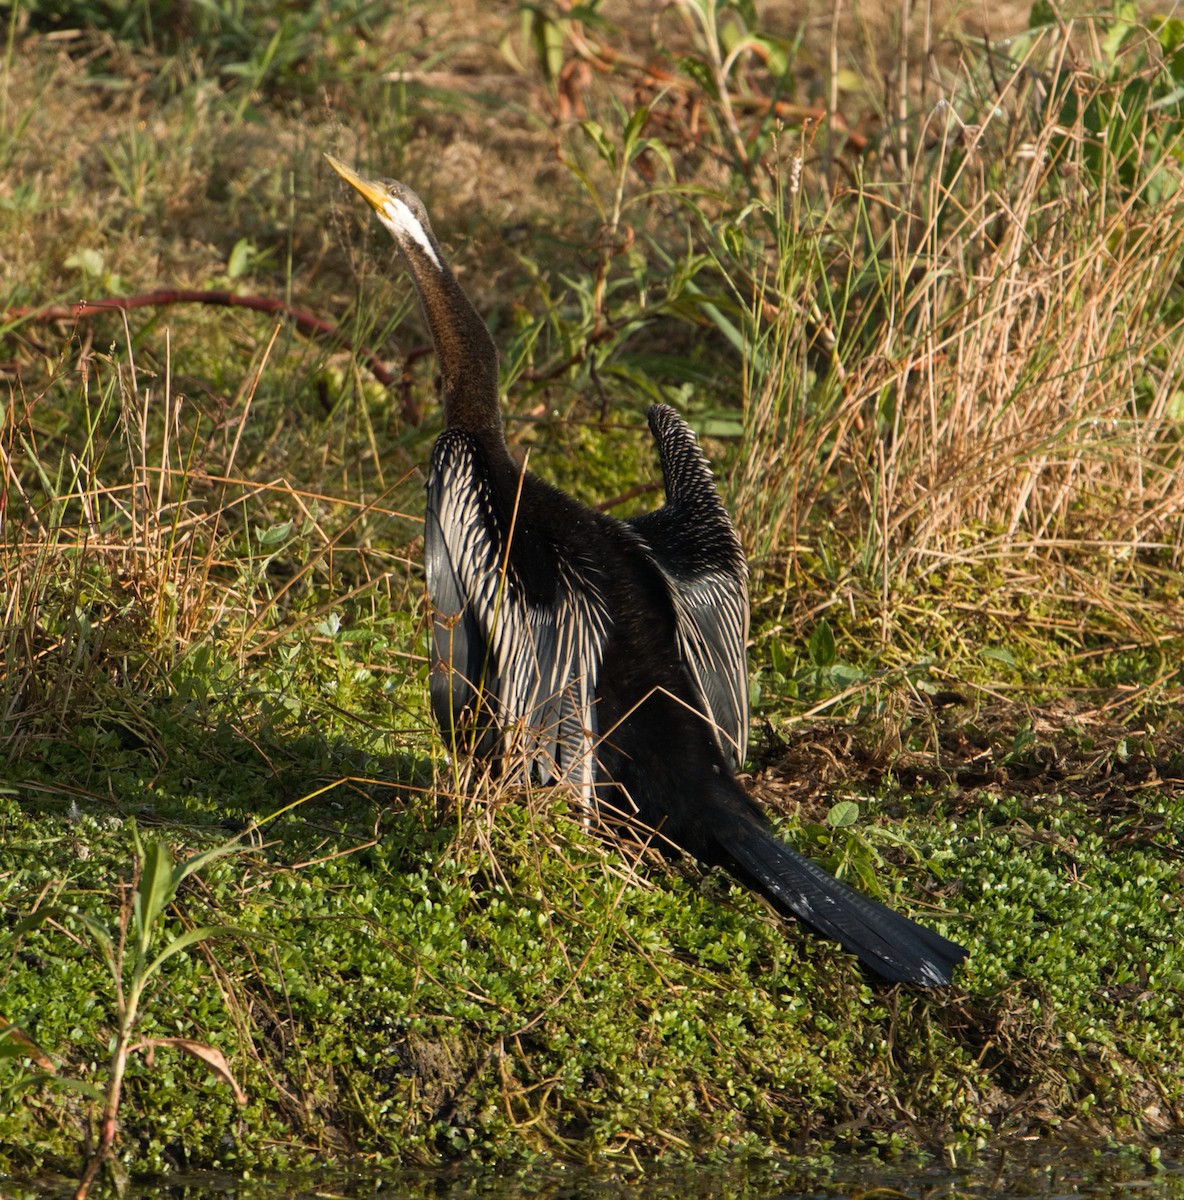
(917, 285)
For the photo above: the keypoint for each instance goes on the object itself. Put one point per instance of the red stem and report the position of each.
(305, 322)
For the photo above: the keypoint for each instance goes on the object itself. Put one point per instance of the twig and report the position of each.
(306, 322)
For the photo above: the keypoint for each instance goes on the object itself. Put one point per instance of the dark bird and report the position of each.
(607, 655)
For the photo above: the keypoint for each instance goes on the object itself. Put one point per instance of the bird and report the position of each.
(605, 655)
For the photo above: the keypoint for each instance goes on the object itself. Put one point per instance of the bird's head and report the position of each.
(398, 208)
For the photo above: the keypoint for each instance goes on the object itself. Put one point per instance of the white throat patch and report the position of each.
(399, 219)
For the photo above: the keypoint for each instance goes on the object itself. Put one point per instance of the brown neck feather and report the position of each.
(464, 349)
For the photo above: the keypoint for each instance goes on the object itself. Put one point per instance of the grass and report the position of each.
(934, 343)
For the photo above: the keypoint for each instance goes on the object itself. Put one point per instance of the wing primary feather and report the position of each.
(693, 543)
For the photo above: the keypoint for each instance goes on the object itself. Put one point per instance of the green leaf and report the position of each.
(843, 675)
(1024, 740)
(822, 644)
(153, 894)
(272, 535)
(720, 427)
(240, 258)
(1170, 32)
(843, 814)
(36, 919)
(1041, 15)
(633, 128)
(702, 74)
(192, 936)
(57, 1083)
(782, 661)
(199, 862)
(89, 262)
(594, 132)
(1126, 17)
(63, 1083)
(850, 83)
(99, 932)
(661, 152)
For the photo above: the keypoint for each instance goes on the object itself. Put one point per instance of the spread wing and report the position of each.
(694, 544)
(518, 630)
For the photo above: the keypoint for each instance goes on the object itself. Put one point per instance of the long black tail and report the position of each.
(676, 780)
(891, 945)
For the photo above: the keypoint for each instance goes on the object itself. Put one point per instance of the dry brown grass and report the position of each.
(1005, 385)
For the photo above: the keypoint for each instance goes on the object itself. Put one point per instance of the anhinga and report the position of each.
(608, 654)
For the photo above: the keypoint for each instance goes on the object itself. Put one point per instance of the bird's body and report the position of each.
(605, 654)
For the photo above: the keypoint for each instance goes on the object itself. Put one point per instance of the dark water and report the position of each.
(1020, 1170)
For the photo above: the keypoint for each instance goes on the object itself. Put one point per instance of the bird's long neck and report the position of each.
(465, 351)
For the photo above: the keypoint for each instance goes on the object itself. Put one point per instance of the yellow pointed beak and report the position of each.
(374, 193)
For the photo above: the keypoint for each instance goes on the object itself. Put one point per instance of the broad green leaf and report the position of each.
(63, 1083)
(842, 814)
(702, 74)
(634, 126)
(88, 261)
(272, 535)
(57, 1083)
(822, 644)
(36, 919)
(843, 675)
(153, 894)
(1170, 32)
(99, 932)
(596, 135)
(661, 152)
(240, 258)
(1041, 14)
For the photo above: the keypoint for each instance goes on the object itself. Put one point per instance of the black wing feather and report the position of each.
(693, 543)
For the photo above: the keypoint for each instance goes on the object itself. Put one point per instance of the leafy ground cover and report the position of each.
(918, 287)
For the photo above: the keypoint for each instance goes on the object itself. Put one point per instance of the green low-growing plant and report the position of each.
(134, 950)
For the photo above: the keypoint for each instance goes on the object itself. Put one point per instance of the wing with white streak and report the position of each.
(515, 660)
(693, 542)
